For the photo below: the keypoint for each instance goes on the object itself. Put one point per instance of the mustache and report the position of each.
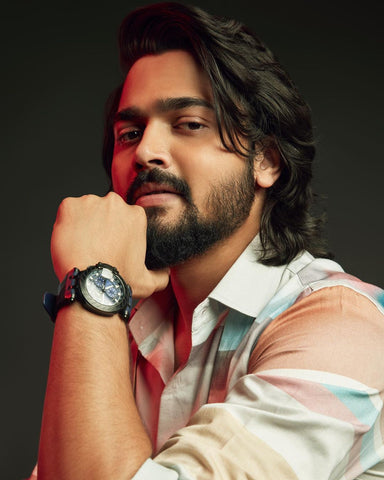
(160, 177)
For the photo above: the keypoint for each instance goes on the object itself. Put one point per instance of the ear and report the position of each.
(267, 166)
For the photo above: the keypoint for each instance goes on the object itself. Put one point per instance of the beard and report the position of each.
(193, 233)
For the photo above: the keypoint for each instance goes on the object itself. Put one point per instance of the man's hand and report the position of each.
(93, 229)
(91, 427)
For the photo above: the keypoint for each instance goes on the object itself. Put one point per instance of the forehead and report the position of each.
(170, 74)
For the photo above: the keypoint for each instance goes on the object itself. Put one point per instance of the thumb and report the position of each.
(161, 278)
(153, 281)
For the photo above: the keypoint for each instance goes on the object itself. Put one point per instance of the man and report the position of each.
(246, 356)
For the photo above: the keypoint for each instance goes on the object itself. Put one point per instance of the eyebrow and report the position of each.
(162, 106)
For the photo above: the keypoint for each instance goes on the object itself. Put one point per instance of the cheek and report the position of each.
(215, 173)
(121, 176)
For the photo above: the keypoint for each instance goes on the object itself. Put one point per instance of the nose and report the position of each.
(153, 148)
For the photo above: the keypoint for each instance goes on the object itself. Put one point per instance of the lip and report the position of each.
(152, 189)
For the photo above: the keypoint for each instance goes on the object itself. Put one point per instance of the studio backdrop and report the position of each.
(59, 63)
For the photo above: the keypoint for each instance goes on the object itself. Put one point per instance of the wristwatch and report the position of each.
(100, 289)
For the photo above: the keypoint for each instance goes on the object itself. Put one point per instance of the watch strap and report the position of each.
(66, 294)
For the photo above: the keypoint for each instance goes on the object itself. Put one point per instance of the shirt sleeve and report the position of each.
(309, 407)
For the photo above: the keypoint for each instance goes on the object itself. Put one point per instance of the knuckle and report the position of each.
(66, 201)
(89, 197)
(113, 197)
(65, 205)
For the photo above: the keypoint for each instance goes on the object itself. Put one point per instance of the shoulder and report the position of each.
(337, 302)
(335, 329)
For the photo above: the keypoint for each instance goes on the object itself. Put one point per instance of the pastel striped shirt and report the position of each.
(284, 380)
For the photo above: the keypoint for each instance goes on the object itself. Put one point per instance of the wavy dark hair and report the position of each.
(254, 98)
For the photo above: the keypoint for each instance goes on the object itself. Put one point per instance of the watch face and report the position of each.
(104, 287)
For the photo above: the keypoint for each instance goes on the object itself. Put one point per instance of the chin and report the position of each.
(163, 215)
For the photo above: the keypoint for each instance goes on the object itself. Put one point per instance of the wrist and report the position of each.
(85, 323)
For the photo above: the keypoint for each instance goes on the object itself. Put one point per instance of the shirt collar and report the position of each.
(249, 285)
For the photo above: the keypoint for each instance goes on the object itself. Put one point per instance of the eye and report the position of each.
(190, 126)
(129, 136)
(194, 125)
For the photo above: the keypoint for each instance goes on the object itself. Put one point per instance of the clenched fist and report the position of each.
(93, 229)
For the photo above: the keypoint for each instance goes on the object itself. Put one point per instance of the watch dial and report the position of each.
(104, 287)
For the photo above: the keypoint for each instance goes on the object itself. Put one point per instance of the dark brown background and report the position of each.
(60, 62)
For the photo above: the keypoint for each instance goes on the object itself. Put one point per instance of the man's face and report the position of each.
(168, 158)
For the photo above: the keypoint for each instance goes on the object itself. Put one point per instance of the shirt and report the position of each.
(285, 377)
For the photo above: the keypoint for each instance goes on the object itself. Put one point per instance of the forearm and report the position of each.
(91, 428)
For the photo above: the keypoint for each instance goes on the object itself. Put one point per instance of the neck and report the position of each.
(193, 280)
